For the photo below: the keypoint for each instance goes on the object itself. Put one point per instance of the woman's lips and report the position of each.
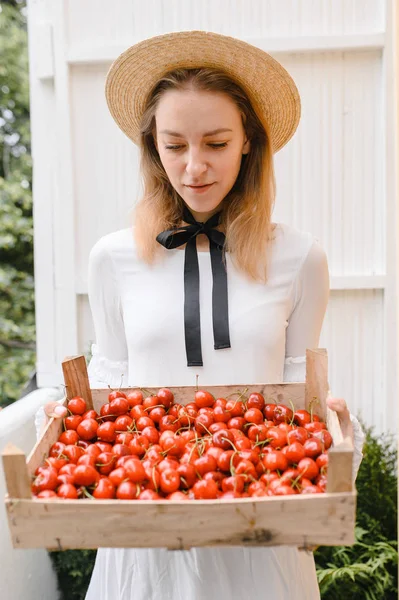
(198, 189)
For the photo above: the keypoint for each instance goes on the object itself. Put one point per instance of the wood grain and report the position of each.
(76, 379)
(317, 386)
(16, 473)
(334, 427)
(296, 520)
(339, 474)
(284, 393)
(41, 449)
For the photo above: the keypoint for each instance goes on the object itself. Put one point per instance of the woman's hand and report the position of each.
(340, 407)
(54, 409)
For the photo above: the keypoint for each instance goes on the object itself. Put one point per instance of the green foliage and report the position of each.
(73, 569)
(377, 485)
(17, 319)
(368, 569)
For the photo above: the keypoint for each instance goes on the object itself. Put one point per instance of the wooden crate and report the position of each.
(303, 520)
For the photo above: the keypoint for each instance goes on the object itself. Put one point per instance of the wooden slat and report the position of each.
(49, 436)
(317, 388)
(340, 457)
(105, 53)
(77, 379)
(16, 473)
(326, 519)
(280, 393)
(339, 476)
(333, 427)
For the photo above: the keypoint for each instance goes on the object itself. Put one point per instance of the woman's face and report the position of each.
(200, 139)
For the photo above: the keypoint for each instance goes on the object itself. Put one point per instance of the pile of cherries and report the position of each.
(146, 446)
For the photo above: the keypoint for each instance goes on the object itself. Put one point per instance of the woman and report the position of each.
(205, 284)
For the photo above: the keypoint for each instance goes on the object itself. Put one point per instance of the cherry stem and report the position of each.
(155, 406)
(87, 493)
(232, 467)
(106, 416)
(293, 411)
(106, 464)
(263, 442)
(147, 391)
(132, 429)
(240, 395)
(206, 429)
(183, 428)
(231, 443)
(153, 479)
(294, 482)
(194, 447)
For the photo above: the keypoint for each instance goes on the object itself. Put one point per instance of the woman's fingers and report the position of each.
(55, 409)
(341, 408)
(339, 405)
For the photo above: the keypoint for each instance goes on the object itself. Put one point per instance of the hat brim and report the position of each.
(270, 88)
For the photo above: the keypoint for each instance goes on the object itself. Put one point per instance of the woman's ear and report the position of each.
(246, 147)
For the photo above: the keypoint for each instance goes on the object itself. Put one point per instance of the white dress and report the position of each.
(139, 327)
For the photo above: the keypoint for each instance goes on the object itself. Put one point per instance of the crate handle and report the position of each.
(317, 386)
(16, 472)
(76, 379)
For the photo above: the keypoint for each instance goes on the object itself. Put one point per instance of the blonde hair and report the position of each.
(246, 210)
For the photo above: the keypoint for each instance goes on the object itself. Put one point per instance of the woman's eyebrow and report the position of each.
(207, 134)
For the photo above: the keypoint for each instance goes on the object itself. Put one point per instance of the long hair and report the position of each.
(246, 210)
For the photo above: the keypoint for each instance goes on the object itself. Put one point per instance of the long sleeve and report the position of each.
(310, 299)
(109, 363)
(311, 291)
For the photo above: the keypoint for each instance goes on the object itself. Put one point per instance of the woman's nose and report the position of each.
(196, 164)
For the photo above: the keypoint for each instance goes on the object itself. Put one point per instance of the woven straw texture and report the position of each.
(136, 71)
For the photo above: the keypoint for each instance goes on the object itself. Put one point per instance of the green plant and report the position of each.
(368, 569)
(17, 320)
(377, 485)
(73, 568)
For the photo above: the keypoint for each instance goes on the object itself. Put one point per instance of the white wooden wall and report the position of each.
(336, 178)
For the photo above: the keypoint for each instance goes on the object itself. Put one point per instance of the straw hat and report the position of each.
(136, 71)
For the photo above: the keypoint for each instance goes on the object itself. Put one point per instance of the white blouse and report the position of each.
(138, 314)
(139, 326)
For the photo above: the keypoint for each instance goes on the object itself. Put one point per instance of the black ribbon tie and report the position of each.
(173, 238)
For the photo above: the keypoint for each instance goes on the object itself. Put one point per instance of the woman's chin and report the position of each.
(202, 207)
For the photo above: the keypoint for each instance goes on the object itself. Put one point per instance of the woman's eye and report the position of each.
(215, 146)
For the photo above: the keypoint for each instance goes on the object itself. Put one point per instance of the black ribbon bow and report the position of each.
(173, 238)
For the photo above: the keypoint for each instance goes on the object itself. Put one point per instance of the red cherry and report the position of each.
(203, 398)
(115, 394)
(256, 400)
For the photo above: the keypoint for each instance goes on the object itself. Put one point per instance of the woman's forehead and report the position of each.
(212, 112)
